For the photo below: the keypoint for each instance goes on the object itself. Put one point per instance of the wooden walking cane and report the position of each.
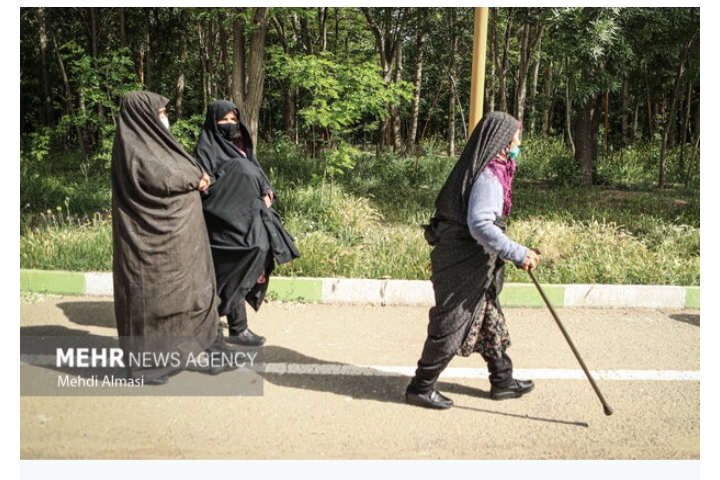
(608, 410)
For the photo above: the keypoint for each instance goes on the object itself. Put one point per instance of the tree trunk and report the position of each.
(80, 131)
(204, 64)
(248, 70)
(673, 109)
(121, 20)
(625, 130)
(322, 13)
(149, 52)
(650, 116)
(227, 75)
(568, 119)
(180, 83)
(289, 92)
(547, 100)
(422, 38)
(491, 81)
(395, 108)
(528, 46)
(533, 91)
(636, 120)
(94, 50)
(685, 134)
(523, 69)
(691, 163)
(587, 131)
(454, 40)
(503, 68)
(388, 39)
(49, 113)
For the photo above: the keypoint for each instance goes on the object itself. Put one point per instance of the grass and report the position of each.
(366, 222)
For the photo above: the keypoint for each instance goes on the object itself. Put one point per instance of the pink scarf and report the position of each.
(504, 168)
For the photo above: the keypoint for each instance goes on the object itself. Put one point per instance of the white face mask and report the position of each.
(165, 122)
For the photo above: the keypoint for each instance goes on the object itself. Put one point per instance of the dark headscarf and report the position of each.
(214, 151)
(493, 133)
(141, 138)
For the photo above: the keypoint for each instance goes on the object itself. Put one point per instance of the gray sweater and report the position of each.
(486, 204)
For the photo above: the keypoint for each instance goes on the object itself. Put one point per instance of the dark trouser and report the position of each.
(501, 370)
(237, 319)
(219, 338)
(490, 339)
(432, 364)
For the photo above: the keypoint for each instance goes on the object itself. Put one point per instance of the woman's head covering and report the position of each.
(146, 150)
(213, 149)
(140, 131)
(493, 133)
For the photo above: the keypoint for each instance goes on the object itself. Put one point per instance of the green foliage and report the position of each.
(187, 131)
(547, 159)
(71, 181)
(344, 97)
(368, 226)
(54, 240)
(102, 81)
(592, 42)
(633, 167)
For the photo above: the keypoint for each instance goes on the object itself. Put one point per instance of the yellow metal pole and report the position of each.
(477, 87)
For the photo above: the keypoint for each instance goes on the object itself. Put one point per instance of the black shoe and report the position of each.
(517, 389)
(246, 338)
(432, 399)
(225, 367)
(157, 381)
(221, 358)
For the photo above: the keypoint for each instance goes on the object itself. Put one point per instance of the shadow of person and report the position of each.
(51, 364)
(288, 368)
(456, 388)
(691, 319)
(90, 314)
(39, 346)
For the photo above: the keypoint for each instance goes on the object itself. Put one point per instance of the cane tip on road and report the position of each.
(608, 410)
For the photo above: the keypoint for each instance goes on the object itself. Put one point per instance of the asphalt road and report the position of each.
(332, 384)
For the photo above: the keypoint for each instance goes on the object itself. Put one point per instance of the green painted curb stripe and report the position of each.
(295, 289)
(692, 297)
(521, 295)
(44, 281)
(311, 289)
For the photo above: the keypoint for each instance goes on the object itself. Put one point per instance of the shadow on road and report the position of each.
(365, 384)
(687, 318)
(38, 346)
(89, 314)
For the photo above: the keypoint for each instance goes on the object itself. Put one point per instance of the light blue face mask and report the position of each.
(514, 152)
(165, 122)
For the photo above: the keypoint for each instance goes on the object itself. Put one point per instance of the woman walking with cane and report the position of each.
(468, 264)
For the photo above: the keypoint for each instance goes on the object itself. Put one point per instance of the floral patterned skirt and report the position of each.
(488, 334)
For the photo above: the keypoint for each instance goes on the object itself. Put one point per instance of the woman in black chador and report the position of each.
(246, 234)
(468, 264)
(163, 280)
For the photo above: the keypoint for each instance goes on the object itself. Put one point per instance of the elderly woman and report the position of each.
(468, 264)
(246, 234)
(163, 279)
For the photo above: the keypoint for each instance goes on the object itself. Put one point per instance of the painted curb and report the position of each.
(69, 283)
(398, 292)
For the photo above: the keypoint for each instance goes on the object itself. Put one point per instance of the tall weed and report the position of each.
(366, 224)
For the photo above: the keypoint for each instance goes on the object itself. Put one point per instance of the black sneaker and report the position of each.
(517, 389)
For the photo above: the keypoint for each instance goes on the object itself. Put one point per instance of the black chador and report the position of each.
(246, 236)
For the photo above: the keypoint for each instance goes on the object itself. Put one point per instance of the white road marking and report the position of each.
(531, 374)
